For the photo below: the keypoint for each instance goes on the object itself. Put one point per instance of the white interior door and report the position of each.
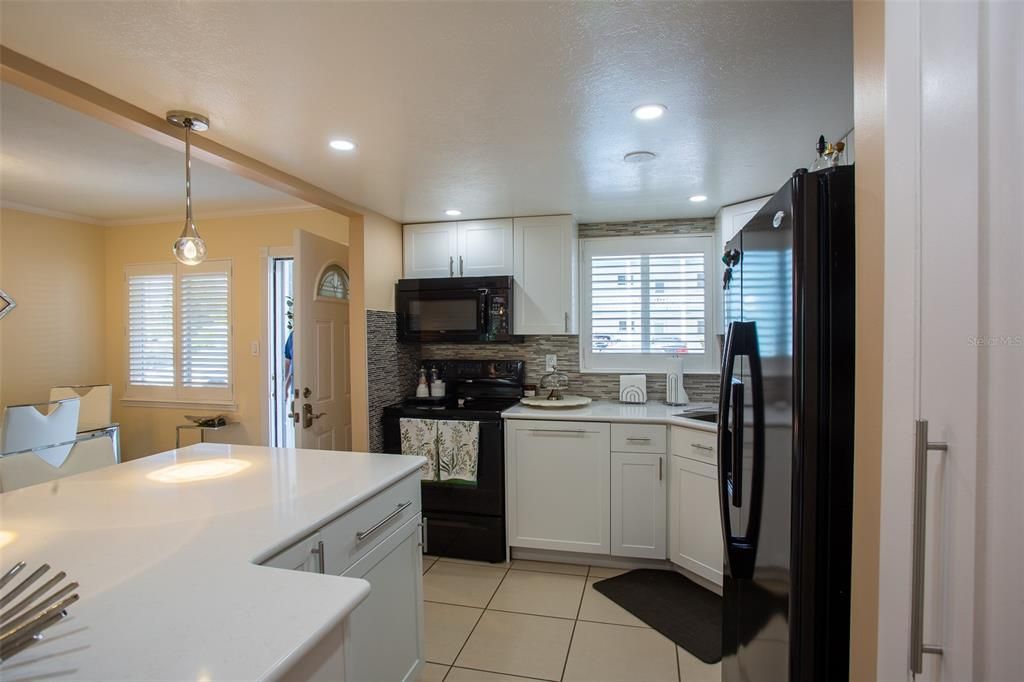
(323, 397)
(950, 73)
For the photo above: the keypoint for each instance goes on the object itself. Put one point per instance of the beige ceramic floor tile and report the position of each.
(599, 608)
(461, 584)
(446, 629)
(470, 562)
(616, 653)
(428, 561)
(467, 675)
(541, 594)
(692, 669)
(518, 644)
(433, 672)
(549, 567)
(604, 572)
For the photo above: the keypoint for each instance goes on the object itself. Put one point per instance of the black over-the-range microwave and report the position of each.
(455, 309)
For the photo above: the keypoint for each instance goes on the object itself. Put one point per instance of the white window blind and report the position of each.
(647, 301)
(178, 332)
(205, 329)
(151, 328)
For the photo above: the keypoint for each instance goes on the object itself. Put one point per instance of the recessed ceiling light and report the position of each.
(453, 212)
(698, 197)
(649, 112)
(639, 157)
(343, 145)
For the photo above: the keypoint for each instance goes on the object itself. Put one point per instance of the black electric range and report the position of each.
(465, 521)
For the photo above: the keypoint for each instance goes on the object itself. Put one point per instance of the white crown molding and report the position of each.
(156, 220)
(27, 208)
(212, 215)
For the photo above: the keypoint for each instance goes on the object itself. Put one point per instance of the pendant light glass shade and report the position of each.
(189, 248)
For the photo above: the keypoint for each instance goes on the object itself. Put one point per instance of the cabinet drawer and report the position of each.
(693, 444)
(350, 536)
(638, 438)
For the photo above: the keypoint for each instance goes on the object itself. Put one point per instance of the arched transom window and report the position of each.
(333, 283)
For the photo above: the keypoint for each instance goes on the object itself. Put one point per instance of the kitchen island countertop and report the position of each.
(170, 582)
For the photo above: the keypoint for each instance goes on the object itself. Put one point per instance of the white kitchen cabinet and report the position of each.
(728, 222)
(557, 484)
(430, 250)
(473, 248)
(695, 524)
(638, 511)
(385, 630)
(378, 541)
(485, 248)
(546, 273)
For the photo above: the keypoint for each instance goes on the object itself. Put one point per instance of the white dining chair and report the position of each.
(27, 468)
(47, 429)
(96, 399)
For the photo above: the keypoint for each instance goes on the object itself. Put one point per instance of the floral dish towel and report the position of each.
(419, 437)
(458, 447)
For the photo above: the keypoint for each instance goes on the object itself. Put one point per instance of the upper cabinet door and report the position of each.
(485, 248)
(431, 250)
(546, 267)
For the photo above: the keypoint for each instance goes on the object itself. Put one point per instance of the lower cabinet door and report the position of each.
(638, 505)
(385, 633)
(557, 477)
(695, 522)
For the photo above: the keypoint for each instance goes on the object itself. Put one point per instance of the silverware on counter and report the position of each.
(22, 624)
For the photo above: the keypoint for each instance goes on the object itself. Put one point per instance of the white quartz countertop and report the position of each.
(170, 587)
(614, 411)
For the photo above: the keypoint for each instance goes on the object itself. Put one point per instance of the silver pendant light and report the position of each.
(189, 248)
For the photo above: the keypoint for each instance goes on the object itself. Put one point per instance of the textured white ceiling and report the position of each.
(57, 159)
(497, 108)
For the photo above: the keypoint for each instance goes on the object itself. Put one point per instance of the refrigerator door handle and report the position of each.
(741, 339)
(736, 473)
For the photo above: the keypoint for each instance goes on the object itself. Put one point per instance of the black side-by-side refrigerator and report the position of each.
(785, 434)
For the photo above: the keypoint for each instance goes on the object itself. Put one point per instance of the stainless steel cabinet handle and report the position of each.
(566, 323)
(451, 266)
(462, 267)
(638, 439)
(424, 531)
(706, 448)
(363, 534)
(660, 463)
(574, 432)
(318, 552)
(921, 447)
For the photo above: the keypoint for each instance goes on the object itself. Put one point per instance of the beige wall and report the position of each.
(383, 243)
(54, 270)
(869, 122)
(146, 430)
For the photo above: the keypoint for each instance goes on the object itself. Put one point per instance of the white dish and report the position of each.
(567, 401)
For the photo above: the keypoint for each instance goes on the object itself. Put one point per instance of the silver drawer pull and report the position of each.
(571, 432)
(363, 534)
(637, 439)
(318, 552)
(705, 448)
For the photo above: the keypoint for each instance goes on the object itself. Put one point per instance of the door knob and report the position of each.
(308, 416)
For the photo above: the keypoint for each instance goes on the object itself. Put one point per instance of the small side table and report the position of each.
(196, 427)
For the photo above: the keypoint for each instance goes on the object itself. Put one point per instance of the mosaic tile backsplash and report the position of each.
(390, 369)
(700, 387)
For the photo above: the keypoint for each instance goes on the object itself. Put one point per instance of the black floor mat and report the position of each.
(678, 608)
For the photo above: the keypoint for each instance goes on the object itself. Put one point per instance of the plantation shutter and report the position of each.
(205, 326)
(150, 328)
(647, 301)
(178, 332)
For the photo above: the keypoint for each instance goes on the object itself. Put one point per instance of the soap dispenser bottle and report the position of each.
(422, 390)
